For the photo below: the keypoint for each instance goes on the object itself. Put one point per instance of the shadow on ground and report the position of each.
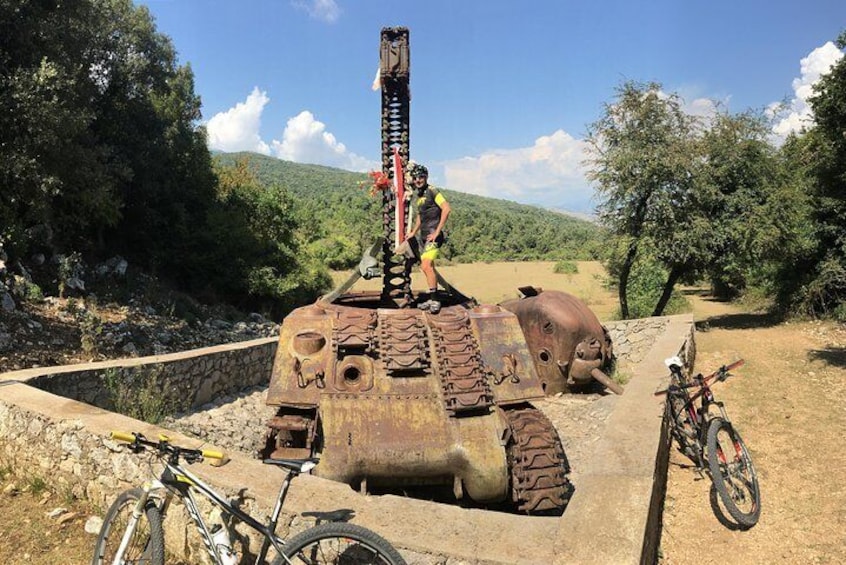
(835, 356)
(740, 321)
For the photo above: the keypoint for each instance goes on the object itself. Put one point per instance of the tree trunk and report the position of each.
(625, 271)
(672, 278)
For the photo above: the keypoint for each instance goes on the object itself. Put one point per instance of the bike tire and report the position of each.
(733, 474)
(147, 544)
(339, 542)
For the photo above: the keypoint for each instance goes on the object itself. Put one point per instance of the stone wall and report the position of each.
(632, 339)
(76, 456)
(181, 380)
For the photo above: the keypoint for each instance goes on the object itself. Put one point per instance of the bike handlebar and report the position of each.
(164, 447)
(722, 374)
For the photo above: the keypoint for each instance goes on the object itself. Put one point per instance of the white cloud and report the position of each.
(701, 107)
(705, 108)
(795, 114)
(324, 10)
(237, 129)
(549, 173)
(306, 140)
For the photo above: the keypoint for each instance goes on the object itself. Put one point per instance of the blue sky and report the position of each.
(502, 91)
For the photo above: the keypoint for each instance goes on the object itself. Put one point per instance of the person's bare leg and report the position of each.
(428, 268)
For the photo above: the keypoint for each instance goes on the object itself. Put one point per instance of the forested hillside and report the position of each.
(341, 218)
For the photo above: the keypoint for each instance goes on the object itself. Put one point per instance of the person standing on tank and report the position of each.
(432, 213)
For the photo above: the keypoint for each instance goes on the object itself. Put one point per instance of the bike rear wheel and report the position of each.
(682, 428)
(147, 543)
(733, 474)
(338, 542)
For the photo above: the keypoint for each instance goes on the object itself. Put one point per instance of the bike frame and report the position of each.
(175, 480)
(700, 417)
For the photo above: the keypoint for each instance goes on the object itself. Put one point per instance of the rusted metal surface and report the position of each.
(565, 337)
(464, 385)
(410, 398)
(403, 341)
(512, 373)
(538, 464)
(389, 395)
(394, 75)
(291, 434)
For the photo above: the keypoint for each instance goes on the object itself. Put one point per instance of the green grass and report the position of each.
(620, 376)
(36, 485)
(139, 394)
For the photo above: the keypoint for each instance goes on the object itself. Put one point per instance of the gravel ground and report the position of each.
(235, 423)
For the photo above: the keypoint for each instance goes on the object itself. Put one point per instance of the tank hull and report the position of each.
(402, 397)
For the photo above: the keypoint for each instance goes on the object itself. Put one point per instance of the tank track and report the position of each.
(394, 67)
(538, 463)
(464, 382)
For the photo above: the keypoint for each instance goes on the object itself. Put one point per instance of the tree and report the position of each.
(99, 138)
(642, 162)
(49, 157)
(739, 202)
(254, 254)
(825, 290)
(699, 197)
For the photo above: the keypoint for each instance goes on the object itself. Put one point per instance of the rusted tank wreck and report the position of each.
(387, 395)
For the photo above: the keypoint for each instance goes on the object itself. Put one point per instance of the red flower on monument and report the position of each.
(381, 181)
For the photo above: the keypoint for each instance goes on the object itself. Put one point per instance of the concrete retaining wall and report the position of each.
(181, 380)
(614, 516)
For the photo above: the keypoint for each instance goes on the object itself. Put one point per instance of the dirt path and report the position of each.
(788, 405)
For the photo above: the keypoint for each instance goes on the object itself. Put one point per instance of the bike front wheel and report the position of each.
(732, 472)
(339, 542)
(146, 546)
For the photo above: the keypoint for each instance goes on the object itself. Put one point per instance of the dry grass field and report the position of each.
(490, 283)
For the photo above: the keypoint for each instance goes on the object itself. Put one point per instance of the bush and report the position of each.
(566, 268)
(138, 394)
(646, 283)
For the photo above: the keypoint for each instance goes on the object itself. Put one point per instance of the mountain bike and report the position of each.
(710, 440)
(132, 528)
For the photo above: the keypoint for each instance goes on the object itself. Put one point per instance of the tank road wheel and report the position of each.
(537, 463)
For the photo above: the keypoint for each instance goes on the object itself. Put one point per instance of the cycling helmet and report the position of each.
(418, 170)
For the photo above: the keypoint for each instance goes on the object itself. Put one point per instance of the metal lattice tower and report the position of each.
(394, 70)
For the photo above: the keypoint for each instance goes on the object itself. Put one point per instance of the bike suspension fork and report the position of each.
(137, 512)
